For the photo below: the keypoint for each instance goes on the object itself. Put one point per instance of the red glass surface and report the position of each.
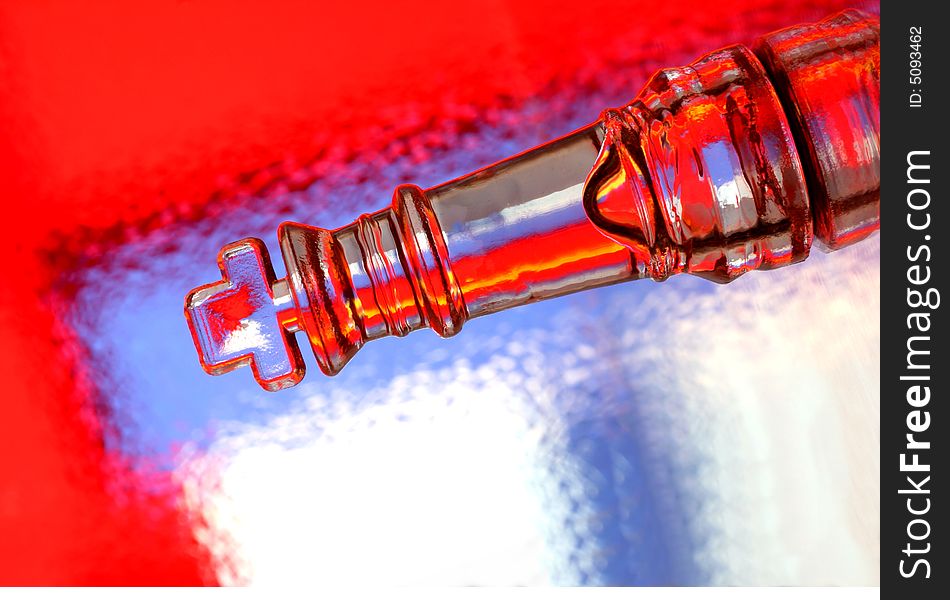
(830, 82)
(700, 174)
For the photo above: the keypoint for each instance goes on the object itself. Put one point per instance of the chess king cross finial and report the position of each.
(387, 274)
(247, 318)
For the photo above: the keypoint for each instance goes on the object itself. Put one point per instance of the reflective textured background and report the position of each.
(675, 433)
